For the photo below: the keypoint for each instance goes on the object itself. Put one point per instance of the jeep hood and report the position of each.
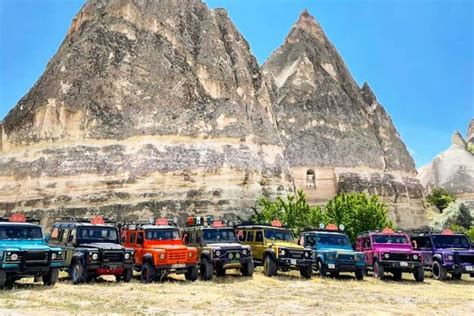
(286, 244)
(226, 245)
(337, 248)
(168, 247)
(103, 246)
(393, 247)
(20, 245)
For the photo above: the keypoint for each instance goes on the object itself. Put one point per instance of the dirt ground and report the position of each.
(285, 294)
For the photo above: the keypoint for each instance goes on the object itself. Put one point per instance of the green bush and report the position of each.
(440, 198)
(456, 214)
(470, 148)
(356, 211)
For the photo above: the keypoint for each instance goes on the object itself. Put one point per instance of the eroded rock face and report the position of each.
(327, 121)
(452, 170)
(159, 108)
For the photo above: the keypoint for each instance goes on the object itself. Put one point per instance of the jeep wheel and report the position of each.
(378, 270)
(192, 274)
(456, 275)
(51, 277)
(127, 275)
(359, 273)
(439, 272)
(397, 274)
(322, 269)
(220, 272)
(419, 274)
(206, 269)
(3, 279)
(306, 271)
(269, 266)
(78, 274)
(148, 273)
(247, 268)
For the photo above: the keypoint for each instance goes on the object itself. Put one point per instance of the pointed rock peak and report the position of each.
(470, 133)
(458, 140)
(307, 23)
(368, 94)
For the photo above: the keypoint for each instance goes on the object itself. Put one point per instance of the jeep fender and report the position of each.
(206, 254)
(78, 257)
(269, 252)
(320, 257)
(438, 257)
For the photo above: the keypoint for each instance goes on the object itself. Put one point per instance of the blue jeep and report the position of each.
(333, 252)
(24, 253)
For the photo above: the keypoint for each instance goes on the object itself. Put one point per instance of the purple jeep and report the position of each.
(389, 251)
(444, 253)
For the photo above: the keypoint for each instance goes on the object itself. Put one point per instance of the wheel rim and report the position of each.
(76, 272)
(435, 271)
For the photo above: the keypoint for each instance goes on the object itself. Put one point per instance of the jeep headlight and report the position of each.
(450, 257)
(95, 256)
(359, 257)
(13, 257)
(331, 256)
(386, 256)
(282, 252)
(162, 256)
(217, 253)
(190, 254)
(244, 252)
(306, 254)
(54, 256)
(415, 257)
(127, 256)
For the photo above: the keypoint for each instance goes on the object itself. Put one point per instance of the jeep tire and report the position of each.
(359, 273)
(247, 268)
(456, 275)
(322, 269)
(439, 272)
(269, 266)
(148, 273)
(378, 270)
(419, 274)
(192, 273)
(127, 275)
(206, 269)
(397, 274)
(220, 271)
(51, 278)
(306, 271)
(3, 279)
(78, 274)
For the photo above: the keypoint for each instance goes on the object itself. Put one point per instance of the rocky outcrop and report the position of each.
(337, 136)
(159, 108)
(470, 133)
(452, 170)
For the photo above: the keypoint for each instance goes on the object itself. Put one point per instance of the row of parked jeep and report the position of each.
(207, 247)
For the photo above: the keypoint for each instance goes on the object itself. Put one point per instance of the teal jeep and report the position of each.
(24, 253)
(333, 252)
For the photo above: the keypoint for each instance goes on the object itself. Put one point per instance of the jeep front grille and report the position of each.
(399, 257)
(36, 258)
(177, 255)
(296, 254)
(346, 257)
(112, 256)
(466, 258)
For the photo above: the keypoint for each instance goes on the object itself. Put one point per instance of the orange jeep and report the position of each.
(159, 251)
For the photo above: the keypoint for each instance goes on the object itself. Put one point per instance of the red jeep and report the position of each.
(159, 251)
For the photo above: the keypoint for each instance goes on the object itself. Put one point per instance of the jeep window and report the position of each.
(390, 239)
(279, 234)
(88, 234)
(64, 235)
(333, 239)
(420, 242)
(250, 236)
(219, 235)
(162, 234)
(20, 232)
(367, 243)
(259, 236)
(451, 241)
(198, 237)
(133, 237)
(140, 238)
(241, 234)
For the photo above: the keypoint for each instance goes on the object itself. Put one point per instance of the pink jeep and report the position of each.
(390, 251)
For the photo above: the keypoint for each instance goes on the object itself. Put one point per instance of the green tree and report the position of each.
(457, 214)
(440, 198)
(358, 212)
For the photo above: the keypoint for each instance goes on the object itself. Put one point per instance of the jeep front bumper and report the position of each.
(344, 266)
(405, 266)
(23, 269)
(460, 268)
(288, 263)
(226, 263)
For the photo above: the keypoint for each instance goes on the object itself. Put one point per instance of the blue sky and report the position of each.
(417, 55)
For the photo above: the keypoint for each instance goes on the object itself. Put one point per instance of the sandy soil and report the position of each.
(285, 294)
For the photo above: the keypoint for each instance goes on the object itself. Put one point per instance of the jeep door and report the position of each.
(258, 243)
(367, 249)
(423, 244)
(66, 238)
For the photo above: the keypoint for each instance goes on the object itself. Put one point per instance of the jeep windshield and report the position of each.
(20, 232)
(87, 235)
(451, 241)
(219, 235)
(390, 239)
(332, 240)
(162, 234)
(279, 234)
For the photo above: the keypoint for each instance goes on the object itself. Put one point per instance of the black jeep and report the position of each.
(92, 249)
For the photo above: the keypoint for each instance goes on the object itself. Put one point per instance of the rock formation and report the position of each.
(453, 169)
(160, 108)
(337, 136)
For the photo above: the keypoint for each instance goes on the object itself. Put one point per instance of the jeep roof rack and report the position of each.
(19, 218)
(207, 221)
(95, 220)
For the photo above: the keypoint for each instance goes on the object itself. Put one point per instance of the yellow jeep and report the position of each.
(274, 247)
